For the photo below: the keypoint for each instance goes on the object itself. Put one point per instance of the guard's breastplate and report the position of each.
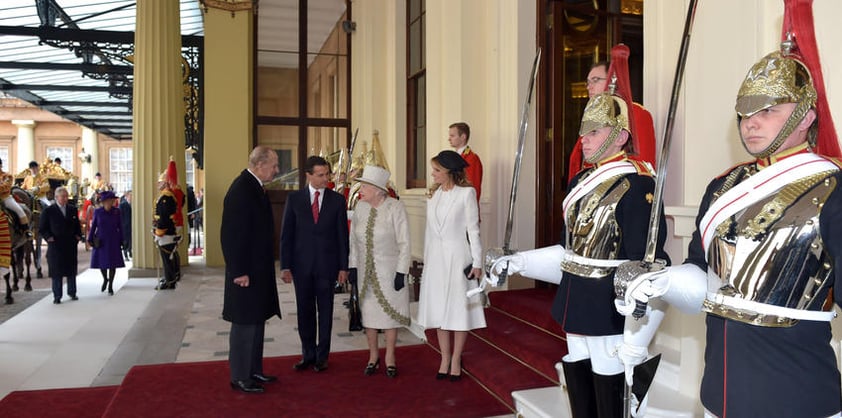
(592, 230)
(772, 253)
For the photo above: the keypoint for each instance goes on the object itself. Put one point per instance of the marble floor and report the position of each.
(95, 341)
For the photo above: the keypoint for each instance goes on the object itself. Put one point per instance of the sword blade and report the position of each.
(524, 121)
(657, 205)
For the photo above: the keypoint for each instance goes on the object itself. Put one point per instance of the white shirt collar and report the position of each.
(461, 149)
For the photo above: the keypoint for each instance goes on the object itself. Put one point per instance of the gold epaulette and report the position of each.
(643, 169)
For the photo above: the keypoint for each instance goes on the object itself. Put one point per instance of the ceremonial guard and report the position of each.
(763, 260)
(605, 215)
(37, 184)
(7, 181)
(167, 225)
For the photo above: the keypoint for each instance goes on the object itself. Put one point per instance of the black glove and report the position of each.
(352, 276)
(399, 280)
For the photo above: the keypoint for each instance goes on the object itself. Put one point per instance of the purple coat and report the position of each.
(107, 227)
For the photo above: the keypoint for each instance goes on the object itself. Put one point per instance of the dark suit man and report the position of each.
(314, 254)
(59, 225)
(126, 224)
(251, 293)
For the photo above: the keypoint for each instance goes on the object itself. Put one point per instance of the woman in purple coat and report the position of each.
(107, 230)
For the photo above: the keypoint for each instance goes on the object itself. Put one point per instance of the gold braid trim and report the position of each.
(371, 273)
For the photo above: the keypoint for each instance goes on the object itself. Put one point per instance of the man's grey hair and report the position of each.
(259, 155)
(62, 189)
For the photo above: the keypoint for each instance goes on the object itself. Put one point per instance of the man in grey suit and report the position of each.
(314, 255)
(251, 293)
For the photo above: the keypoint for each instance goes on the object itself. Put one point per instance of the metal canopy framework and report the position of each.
(74, 58)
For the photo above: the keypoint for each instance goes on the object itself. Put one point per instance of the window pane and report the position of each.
(284, 140)
(189, 174)
(414, 48)
(324, 26)
(66, 155)
(120, 169)
(420, 154)
(327, 86)
(277, 84)
(421, 102)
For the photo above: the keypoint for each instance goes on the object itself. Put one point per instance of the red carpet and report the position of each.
(202, 390)
(59, 403)
(517, 351)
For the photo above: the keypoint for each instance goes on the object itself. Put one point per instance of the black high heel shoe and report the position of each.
(371, 368)
(442, 376)
(391, 371)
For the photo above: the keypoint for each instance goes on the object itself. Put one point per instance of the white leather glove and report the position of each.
(631, 356)
(641, 289)
(512, 264)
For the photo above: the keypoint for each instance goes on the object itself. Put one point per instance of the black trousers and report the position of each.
(314, 299)
(245, 351)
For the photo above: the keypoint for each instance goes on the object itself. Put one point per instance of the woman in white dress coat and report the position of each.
(452, 251)
(379, 257)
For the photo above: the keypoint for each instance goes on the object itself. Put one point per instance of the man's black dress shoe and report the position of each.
(74, 297)
(302, 365)
(56, 301)
(262, 378)
(320, 366)
(246, 386)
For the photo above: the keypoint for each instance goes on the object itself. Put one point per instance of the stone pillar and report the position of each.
(158, 129)
(90, 145)
(228, 113)
(26, 146)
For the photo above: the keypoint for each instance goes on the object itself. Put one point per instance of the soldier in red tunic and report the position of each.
(458, 135)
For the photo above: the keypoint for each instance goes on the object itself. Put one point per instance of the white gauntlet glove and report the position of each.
(510, 264)
(631, 356)
(642, 289)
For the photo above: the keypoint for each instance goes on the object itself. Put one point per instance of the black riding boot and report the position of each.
(104, 279)
(111, 273)
(580, 388)
(609, 395)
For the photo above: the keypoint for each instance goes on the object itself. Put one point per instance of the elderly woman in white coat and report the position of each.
(452, 259)
(379, 258)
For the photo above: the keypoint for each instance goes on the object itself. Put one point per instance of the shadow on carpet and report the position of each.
(76, 402)
(202, 390)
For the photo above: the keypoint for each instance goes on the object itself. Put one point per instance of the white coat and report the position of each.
(452, 220)
(382, 306)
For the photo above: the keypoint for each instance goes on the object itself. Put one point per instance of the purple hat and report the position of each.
(108, 194)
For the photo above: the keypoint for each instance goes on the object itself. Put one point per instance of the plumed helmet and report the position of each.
(604, 110)
(791, 75)
(170, 175)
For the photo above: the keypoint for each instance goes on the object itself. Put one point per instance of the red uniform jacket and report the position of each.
(474, 170)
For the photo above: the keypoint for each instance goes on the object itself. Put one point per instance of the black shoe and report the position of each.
(38, 274)
(455, 377)
(320, 366)
(246, 386)
(262, 378)
(392, 371)
(56, 301)
(302, 365)
(104, 285)
(371, 368)
(74, 297)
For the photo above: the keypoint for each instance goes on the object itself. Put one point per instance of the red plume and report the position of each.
(798, 20)
(172, 172)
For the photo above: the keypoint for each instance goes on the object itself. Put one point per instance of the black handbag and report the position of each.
(355, 315)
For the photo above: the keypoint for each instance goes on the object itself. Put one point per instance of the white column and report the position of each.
(90, 145)
(26, 145)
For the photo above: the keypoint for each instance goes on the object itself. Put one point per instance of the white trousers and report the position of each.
(601, 350)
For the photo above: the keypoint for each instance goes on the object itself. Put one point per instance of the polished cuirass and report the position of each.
(592, 231)
(767, 263)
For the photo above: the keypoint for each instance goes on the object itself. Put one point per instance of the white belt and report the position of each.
(766, 309)
(591, 262)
